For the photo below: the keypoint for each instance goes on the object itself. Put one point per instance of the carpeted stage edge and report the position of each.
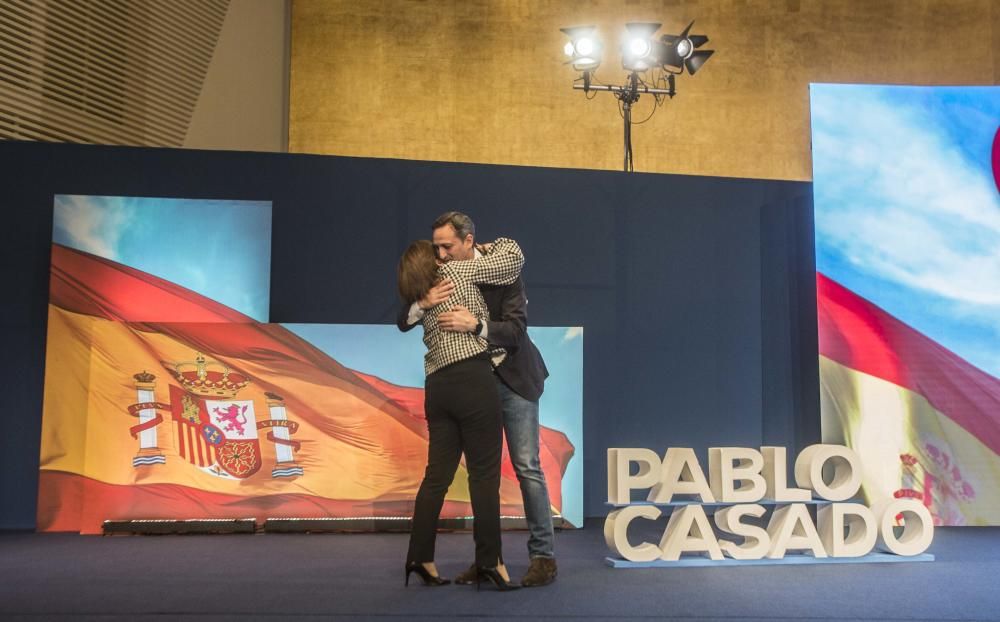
(276, 577)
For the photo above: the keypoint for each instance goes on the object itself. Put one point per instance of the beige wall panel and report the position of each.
(484, 80)
(243, 103)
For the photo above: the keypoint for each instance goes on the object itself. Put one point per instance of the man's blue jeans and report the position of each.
(520, 423)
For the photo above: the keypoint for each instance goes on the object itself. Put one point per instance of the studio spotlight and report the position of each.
(682, 50)
(583, 47)
(638, 47)
(641, 51)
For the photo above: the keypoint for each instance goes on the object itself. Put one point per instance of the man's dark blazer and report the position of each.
(523, 370)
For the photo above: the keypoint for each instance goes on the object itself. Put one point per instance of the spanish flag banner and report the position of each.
(925, 422)
(218, 416)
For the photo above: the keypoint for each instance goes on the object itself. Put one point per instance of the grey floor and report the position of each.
(276, 577)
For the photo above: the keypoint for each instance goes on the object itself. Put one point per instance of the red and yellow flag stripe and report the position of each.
(925, 422)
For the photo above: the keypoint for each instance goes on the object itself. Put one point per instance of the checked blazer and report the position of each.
(500, 264)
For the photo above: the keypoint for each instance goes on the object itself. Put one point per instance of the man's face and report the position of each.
(449, 247)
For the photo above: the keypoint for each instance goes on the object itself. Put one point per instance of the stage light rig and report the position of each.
(652, 64)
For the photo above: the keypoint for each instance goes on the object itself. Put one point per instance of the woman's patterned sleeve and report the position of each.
(500, 265)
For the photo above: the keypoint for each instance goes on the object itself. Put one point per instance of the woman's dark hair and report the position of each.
(417, 271)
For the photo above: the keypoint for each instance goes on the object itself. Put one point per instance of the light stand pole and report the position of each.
(627, 95)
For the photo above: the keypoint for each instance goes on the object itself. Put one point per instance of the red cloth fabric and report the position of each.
(862, 336)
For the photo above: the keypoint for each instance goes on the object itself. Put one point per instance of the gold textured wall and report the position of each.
(484, 80)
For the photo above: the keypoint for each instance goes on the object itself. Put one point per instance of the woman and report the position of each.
(461, 403)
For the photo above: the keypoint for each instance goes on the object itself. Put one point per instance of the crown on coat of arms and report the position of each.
(209, 378)
(144, 377)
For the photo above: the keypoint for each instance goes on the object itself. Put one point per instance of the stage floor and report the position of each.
(276, 577)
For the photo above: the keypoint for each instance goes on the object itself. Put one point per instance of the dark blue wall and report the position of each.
(696, 293)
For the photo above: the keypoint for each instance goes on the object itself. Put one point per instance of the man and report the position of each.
(520, 381)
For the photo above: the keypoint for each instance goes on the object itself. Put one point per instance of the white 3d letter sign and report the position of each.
(740, 477)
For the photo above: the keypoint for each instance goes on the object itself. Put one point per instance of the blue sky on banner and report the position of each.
(907, 209)
(398, 358)
(220, 249)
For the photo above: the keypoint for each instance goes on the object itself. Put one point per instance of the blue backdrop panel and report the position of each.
(696, 293)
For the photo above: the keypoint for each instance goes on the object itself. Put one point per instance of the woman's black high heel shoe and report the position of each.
(494, 575)
(424, 574)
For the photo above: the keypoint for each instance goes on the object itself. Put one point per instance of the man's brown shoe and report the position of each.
(467, 577)
(541, 572)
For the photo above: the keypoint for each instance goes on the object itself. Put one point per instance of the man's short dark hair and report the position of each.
(463, 224)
